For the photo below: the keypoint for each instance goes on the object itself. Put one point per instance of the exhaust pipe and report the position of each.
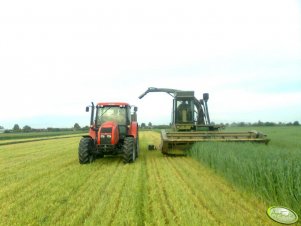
(206, 98)
(92, 113)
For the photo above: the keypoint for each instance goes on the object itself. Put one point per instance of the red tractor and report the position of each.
(113, 130)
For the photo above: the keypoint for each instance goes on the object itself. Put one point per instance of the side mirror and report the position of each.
(206, 96)
(87, 109)
(135, 109)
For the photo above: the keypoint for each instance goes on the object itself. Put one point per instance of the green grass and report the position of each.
(42, 183)
(29, 135)
(272, 172)
(17, 138)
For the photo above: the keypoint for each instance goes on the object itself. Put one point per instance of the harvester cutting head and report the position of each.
(191, 124)
(177, 142)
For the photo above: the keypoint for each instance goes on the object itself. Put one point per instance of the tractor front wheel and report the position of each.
(137, 147)
(84, 150)
(129, 150)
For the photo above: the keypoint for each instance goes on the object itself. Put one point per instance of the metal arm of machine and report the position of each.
(165, 90)
(201, 105)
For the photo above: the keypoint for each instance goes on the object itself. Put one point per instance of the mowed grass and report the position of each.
(17, 138)
(42, 183)
(272, 172)
(33, 135)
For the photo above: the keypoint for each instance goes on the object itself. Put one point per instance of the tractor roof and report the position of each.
(112, 104)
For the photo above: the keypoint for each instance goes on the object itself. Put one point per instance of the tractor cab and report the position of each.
(184, 111)
(118, 113)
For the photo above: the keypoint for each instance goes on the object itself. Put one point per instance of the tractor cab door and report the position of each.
(123, 120)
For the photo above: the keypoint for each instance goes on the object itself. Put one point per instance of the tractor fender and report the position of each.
(133, 130)
(92, 133)
(87, 136)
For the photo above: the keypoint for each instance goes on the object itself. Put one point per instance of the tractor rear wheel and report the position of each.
(84, 150)
(129, 152)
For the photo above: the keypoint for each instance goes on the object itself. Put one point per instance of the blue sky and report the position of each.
(56, 57)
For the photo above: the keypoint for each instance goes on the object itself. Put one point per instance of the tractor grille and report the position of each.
(105, 139)
(105, 135)
(105, 148)
(106, 130)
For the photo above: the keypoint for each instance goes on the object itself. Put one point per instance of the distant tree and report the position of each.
(161, 126)
(233, 124)
(269, 124)
(16, 128)
(51, 129)
(241, 124)
(296, 123)
(85, 128)
(150, 125)
(76, 126)
(26, 128)
(143, 125)
(260, 123)
(1, 127)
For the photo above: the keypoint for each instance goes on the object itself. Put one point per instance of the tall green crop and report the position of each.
(272, 171)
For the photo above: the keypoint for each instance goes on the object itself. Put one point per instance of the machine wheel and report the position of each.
(129, 152)
(84, 150)
(100, 155)
(137, 147)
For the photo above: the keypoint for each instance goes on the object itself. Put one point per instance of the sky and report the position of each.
(56, 57)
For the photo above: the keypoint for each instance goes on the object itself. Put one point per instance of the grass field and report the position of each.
(30, 135)
(42, 183)
(272, 172)
(14, 138)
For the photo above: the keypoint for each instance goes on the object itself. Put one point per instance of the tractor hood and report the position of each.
(108, 133)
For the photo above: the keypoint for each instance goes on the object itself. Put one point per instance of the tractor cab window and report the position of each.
(112, 113)
(184, 111)
(129, 114)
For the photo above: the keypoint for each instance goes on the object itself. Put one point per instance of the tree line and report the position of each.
(260, 123)
(17, 129)
(77, 127)
(233, 124)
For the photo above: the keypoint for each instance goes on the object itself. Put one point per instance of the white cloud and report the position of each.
(56, 57)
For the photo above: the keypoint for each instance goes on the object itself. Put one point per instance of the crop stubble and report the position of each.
(42, 183)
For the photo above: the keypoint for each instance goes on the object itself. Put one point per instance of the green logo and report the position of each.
(282, 215)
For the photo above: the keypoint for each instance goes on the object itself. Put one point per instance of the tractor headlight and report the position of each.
(103, 136)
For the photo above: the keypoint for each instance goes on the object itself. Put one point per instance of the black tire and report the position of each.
(137, 147)
(129, 152)
(100, 155)
(84, 150)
